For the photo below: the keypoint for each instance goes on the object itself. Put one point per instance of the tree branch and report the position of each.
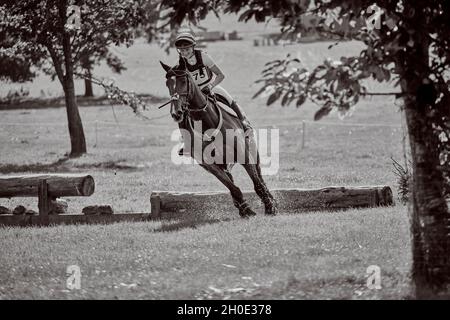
(56, 62)
(381, 93)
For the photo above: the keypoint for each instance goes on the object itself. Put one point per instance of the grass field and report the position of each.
(312, 255)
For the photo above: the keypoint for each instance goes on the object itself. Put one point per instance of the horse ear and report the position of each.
(165, 66)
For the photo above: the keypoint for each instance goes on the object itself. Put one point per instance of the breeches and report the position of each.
(221, 91)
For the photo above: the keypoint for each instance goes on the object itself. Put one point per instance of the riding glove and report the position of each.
(207, 90)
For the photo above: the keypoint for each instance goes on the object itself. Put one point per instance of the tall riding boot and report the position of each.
(241, 115)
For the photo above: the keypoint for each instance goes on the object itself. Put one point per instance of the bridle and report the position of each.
(176, 96)
(188, 111)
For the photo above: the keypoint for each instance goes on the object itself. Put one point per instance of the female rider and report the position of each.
(206, 74)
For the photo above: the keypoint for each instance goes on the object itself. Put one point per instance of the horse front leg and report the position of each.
(236, 193)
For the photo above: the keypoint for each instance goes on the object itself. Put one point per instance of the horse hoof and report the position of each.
(271, 211)
(247, 213)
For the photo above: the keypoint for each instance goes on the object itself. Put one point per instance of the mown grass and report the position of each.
(306, 256)
(315, 255)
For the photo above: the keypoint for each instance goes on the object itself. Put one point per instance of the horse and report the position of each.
(190, 106)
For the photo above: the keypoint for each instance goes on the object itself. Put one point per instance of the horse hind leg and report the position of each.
(227, 179)
(270, 205)
(258, 169)
(243, 207)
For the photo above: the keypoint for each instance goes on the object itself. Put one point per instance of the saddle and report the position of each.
(221, 104)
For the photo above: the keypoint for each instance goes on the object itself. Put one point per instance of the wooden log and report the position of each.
(67, 219)
(30, 212)
(5, 210)
(102, 209)
(19, 210)
(155, 202)
(289, 200)
(59, 185)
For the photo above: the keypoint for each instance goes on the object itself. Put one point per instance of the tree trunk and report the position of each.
(88, 91)
(429, 216)
(77, 139)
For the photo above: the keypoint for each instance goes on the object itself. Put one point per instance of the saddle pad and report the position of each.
(223, 104)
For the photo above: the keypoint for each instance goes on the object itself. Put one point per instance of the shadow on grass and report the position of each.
(191, 222)
(61, 165)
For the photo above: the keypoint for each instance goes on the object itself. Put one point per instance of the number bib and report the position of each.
(201, 78)
(199, 72)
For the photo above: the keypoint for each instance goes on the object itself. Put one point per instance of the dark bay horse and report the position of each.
(190, 108)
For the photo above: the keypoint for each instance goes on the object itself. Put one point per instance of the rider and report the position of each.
(205, 72)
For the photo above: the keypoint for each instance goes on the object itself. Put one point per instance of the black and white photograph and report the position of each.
(224, 155)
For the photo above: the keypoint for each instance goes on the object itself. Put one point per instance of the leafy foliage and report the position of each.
(15, 96)
(389, 56)
(404, 180)
(174, 12)
(113, 92)
(335, 84)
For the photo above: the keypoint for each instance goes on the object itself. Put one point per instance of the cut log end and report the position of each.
(386, 196)
(87, 186)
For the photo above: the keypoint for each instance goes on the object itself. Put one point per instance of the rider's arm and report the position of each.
(219, 76)
(209, 62)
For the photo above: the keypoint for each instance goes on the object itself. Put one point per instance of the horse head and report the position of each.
(178, 87)
(185, 95)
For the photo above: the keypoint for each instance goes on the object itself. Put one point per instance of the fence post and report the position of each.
(303, 133)
(43, 202)
(95, 145)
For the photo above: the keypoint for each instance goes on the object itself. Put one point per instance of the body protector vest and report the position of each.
(199, 72)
